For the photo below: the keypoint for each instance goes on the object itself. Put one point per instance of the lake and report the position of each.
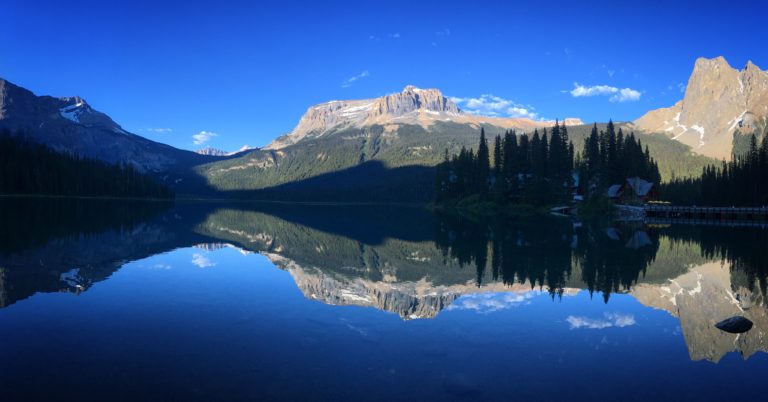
(142, 301)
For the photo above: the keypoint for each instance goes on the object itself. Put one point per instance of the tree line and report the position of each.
(741, 182)
(609, 157)
(524, 168)
(543, 167)
(32, 168)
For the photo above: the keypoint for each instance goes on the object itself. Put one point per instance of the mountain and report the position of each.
(381, 149)
(211, 151)
(412, 106)
(244, 148)
(719, 101)
(384, 149)
(71, 125)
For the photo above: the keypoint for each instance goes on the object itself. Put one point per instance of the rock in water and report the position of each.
(735, 325)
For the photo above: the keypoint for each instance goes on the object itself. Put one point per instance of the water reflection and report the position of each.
(409, 261)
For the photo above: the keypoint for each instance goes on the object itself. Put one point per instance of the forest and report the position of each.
(33, 169)
(741, 182)
(543, 168)
(609, 157)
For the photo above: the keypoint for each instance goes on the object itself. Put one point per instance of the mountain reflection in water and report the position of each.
(409, 261)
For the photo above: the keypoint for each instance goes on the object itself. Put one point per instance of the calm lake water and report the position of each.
(142, 301)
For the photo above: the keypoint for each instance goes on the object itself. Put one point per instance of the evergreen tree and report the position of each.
(510, 165)
(31, 168)
(499, 182)
(442, 178)
(740, 182)
(483, 168)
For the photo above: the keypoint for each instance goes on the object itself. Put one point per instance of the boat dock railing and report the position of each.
(706, 213)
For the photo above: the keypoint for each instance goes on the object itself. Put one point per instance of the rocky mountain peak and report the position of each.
(717, 99)
(211, 151)
(713, 63)
(751, 66)
(70, 124)
(412, 99)
(411, 106)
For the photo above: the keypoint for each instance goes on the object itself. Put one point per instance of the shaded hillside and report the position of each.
(70, 125)
(32, 168)
(350, 151)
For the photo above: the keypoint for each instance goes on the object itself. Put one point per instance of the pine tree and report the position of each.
(482, 171)
(499, 187)
(510, 166)
(30, 168)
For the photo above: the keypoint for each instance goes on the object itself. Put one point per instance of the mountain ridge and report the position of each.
(338, 146)
(72, 125)
(413, 105)
(719, 101)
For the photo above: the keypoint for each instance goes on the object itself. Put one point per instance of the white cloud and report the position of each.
(489, 302)
(616, 94)
(611, 320)
(626, 95)
(681, 87)
(581, 90)
(203, 137)
(202, 261)
(491, 105)
(349, 81)
(443, 32)
(158, 130)
(395, 35)
(611, 73)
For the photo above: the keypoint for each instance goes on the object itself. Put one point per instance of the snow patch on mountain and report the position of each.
(72, 112)
(719, 101)
(412, 106)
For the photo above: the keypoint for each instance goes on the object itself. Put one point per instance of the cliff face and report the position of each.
(719, 100)
(415, 106)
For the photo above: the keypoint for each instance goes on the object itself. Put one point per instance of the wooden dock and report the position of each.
(706, 222)
(693, 213)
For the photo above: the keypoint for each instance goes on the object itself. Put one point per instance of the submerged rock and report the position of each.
(735, 325)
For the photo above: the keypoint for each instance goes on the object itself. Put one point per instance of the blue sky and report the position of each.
(247, 71)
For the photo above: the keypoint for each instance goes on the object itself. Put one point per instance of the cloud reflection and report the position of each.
(610, 320)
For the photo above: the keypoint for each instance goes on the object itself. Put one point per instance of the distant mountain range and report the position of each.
(384, 149)
(217, 152)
